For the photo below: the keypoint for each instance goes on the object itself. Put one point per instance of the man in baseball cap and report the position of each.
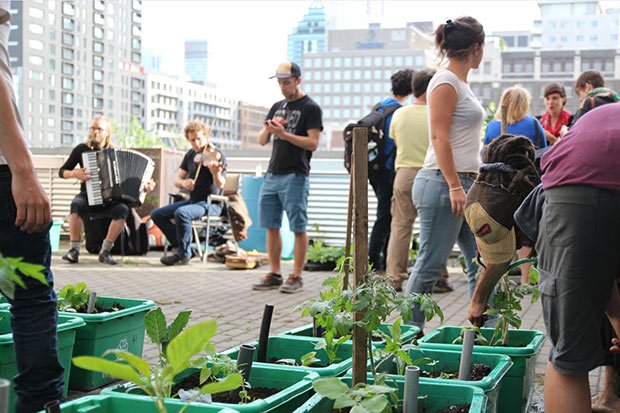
(287, 69)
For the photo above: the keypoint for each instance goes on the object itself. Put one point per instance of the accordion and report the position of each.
(117, 175)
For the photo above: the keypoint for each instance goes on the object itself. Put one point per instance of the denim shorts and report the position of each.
(578, 246)
(284, 192)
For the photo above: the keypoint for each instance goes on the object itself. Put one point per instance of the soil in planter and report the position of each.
(192, 382)
(320, 266)
(477, 373)
(275, 360)
(458, 408)
(100, 309)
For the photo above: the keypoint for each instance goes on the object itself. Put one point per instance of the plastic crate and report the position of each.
(122, 330)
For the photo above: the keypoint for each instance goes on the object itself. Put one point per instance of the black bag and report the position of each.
(134, 242)
(375, 123)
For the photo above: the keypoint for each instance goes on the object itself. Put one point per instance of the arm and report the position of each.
(489, 277)
(263, 136)
(551, 139)
(181, 182)
(613, 308)
(33, 206)
(442, 103)
(67, 170)
(310, 142)
(217, 170)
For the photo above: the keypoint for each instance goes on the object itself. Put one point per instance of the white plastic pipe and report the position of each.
(4, 395)
(91, 302)
(412, 389)
(468, 348)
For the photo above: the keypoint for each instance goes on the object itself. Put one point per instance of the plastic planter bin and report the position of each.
(291, 347)
(66, 329)
(448, 361)
(523, 348)
(55, 235)
(408, 333)
(116, 404)
(295, 385)
(123, 330)
(433, 397)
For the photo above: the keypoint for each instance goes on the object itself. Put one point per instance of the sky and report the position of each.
(248, 38)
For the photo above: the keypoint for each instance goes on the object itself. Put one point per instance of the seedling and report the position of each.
(160, 333)
(363, 398)
(10, 270)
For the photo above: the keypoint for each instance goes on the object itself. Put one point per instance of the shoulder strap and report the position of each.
(538, 143)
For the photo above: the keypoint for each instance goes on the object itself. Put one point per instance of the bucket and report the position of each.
(55, 235)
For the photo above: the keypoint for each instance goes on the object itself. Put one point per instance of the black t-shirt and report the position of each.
(74, 159)
(302, 115)
(204, 186)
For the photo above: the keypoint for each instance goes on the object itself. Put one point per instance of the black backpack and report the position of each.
(375, 123)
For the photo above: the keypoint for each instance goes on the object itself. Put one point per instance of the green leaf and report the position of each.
(375, 405)
(189, 343)
(179, 324)
(155, 325)
(112, 368)
(136, 362)
(330, 387)
(230, 382)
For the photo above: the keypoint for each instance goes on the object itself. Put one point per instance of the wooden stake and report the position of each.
(347, 242)
(360, 266)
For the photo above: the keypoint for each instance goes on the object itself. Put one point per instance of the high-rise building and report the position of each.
(171, 103)
(196, 52)
(251, 119)
(309, 36)
(73, 61)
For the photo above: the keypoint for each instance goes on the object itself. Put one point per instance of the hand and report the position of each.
(475, 315)
(150, 186)
(275, 128)
(81, 174)
(188, 184)
(214, 166)
(457, 201)
(280, 120)
(33, 205)
(563, 131)
(615, 345)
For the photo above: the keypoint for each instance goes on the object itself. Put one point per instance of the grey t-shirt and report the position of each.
(5, 71)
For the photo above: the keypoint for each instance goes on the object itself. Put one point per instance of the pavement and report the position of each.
(212, 291)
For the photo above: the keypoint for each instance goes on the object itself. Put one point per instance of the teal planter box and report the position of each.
(449, 361)
(408, 333)
(118, 404)
(291, 347)
(523, 348)
(122, 330)
(66, 331)
(55, 235)
(433, 397)
(295, 385)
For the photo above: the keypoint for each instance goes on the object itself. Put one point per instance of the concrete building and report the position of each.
(73, 61)
(196, 53)
(309, 36)
(354, 73)
(251, 119)
(170, 103)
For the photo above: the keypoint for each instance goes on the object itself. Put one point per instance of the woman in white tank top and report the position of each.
(452, 160)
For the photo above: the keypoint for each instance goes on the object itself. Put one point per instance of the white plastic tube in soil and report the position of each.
(4, 395)
(91, 302)
(468, 348)
(412, 389)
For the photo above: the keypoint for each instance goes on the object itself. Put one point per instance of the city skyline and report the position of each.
(241, 60)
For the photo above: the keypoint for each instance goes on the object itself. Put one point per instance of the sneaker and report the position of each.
(442, 287)
(106, 257)
(174, 260)
(73, 256)
(270, 281)
(292, 285)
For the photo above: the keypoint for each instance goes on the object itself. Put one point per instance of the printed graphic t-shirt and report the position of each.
(302, 115)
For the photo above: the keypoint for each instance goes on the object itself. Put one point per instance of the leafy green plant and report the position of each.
(73, 298)
(157, 380)
(318, 252)
(363, 398)
(160, 333)
(10, 269)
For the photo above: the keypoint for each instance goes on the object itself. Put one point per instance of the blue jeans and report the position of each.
(439, 230)
(179, 233)
(33, 312)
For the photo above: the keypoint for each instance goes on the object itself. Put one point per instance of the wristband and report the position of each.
(455, 189)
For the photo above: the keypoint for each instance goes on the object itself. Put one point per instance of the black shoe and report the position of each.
(73, 256)
(174, 260)
(106, 257)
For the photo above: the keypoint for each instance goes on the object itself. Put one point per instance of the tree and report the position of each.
(135, 136)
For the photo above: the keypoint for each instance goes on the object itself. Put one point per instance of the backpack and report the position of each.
(374, 122)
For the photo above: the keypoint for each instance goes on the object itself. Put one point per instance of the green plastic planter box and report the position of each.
(523, 348)
(118, 404)
(433, 397)
(291, 347)
(408, 333)
(449, 361)
(296, 388)
(66, 329)
(123, 330)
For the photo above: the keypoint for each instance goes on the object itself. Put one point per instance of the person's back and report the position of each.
(528, 127)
